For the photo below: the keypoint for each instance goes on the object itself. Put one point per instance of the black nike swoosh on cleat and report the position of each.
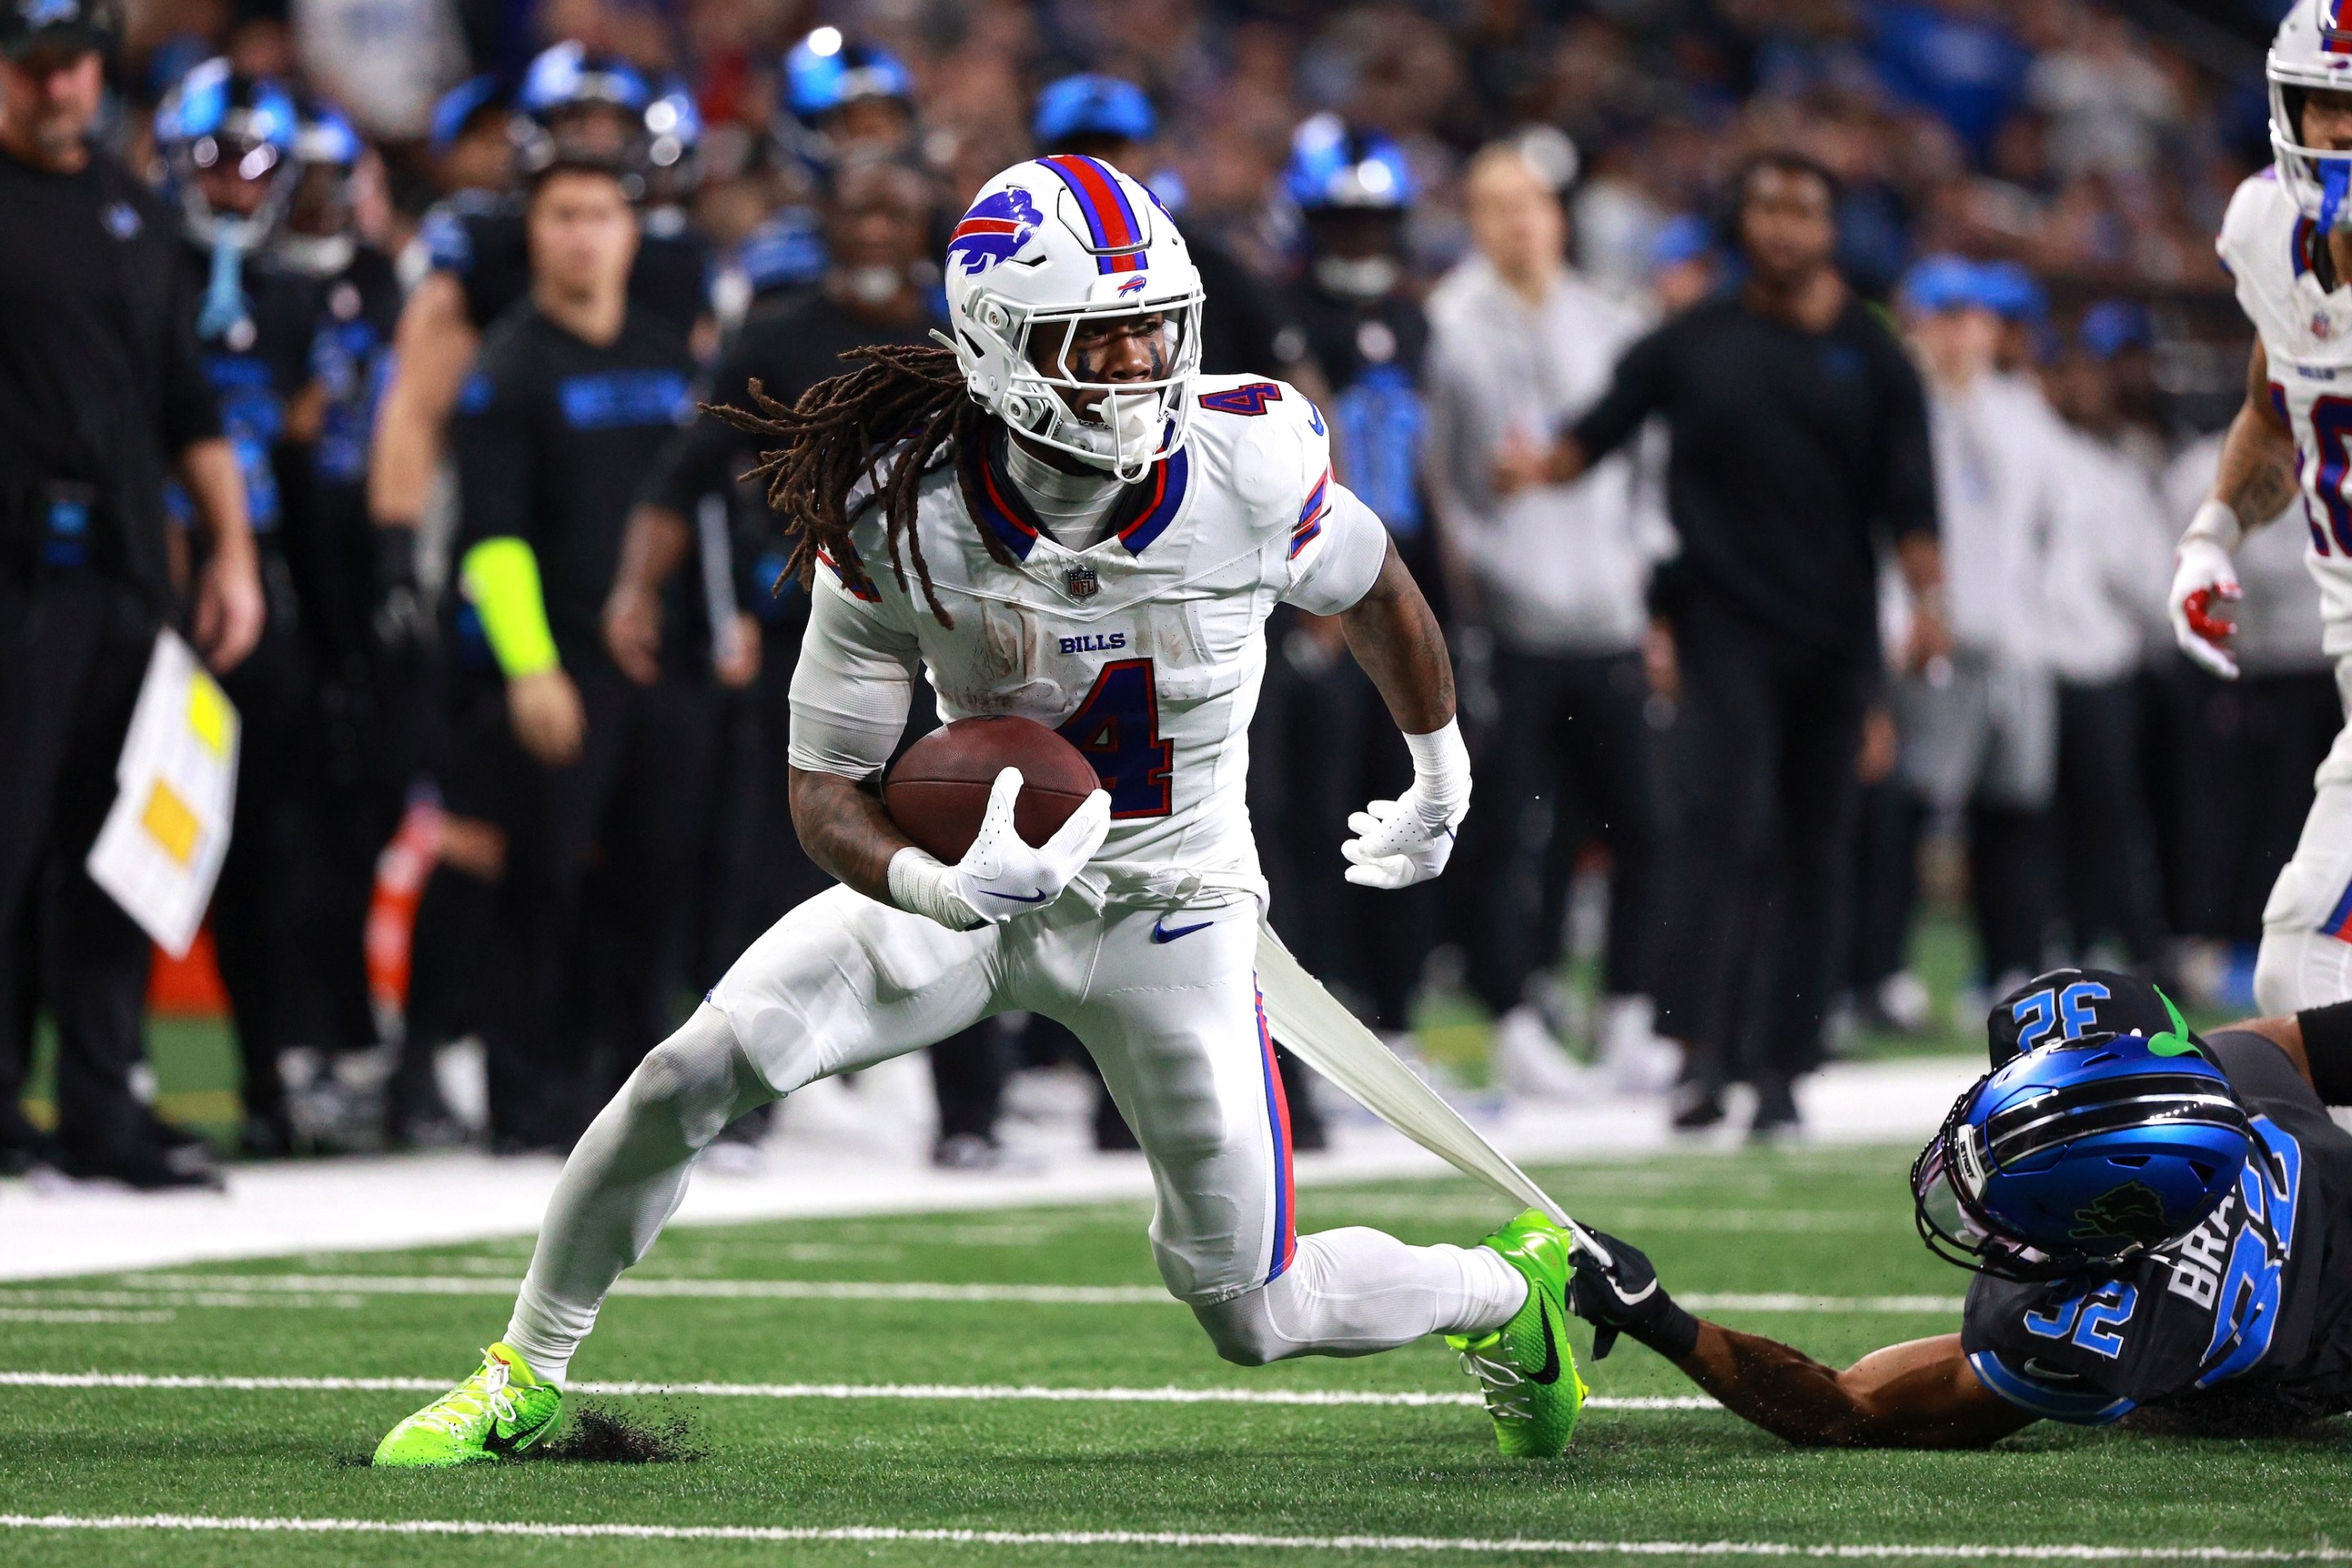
(1550, 1370)
(1160, 931)
(1038, 897)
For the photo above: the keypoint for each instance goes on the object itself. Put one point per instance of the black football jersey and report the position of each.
(2248, 1318)
(479, 240)
(254, 364)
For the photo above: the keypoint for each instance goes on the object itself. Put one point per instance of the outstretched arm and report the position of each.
(2257, 478)
(1921, 1394)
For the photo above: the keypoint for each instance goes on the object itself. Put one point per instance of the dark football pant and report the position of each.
(73, 651)
(1767, 736)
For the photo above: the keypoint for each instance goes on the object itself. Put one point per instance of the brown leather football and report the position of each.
(939, 792)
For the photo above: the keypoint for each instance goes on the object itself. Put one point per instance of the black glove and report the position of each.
(1622, 1295)
(399, 601)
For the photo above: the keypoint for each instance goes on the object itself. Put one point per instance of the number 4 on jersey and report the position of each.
(1118, 728)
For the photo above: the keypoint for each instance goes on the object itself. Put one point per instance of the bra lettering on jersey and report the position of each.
(2233, 1262)
(615, 399)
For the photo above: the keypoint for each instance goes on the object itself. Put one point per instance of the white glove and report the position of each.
(1408, 840)
(1001, 876)
(2202, 577)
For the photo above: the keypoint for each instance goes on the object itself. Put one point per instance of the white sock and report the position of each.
(625, 1179)
(1356, 1290)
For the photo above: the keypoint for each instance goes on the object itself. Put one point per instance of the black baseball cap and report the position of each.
(67, 26)
(2068, 1003)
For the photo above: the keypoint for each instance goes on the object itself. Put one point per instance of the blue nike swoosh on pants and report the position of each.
(1160, 931)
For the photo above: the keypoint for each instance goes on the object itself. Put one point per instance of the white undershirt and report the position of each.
(1075, 509)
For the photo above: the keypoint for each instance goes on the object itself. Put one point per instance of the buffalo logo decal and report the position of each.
(993, 230)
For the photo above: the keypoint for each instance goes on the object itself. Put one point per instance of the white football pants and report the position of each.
(2307, 953)
(1165, 1000)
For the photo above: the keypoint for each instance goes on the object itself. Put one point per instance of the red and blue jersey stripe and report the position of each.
(1277, 1116)
(1169, 479)
(1311, 515)
(2338, 923)
(1116, 234)
(1147, 507)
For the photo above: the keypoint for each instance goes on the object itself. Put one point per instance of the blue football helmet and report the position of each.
(217, 119)
(1334, 165)
(825, 70)
(571, 76)
(457, 110)
(2077, 1156)
(1092, 105)
(319, 240)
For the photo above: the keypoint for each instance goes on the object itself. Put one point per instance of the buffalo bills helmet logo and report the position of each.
(993, 230)
(1134, 285)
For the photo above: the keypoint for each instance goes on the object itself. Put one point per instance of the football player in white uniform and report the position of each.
(2288, 241)
(1058, 517)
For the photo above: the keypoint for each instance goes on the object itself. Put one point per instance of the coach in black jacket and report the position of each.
(1800, 448)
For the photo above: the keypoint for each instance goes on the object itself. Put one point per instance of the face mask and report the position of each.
(1368, 278)
(1123, 431)
(870, 285)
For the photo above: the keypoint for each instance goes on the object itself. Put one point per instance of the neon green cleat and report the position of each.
(1533, 1391)
(499, 1410)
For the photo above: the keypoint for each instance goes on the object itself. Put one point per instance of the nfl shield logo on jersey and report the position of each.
(2323, 325)
(1081, 581)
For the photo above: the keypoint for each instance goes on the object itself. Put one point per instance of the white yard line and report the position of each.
(82, 1315)
(846, 1154)
(959, 1393)
(258, 1290)
(883, 1533)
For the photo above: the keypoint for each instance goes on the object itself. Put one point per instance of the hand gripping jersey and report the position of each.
(2266, 245)
(2244, 1324)
(1144, 651)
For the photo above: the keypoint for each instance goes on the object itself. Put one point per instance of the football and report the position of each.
(939, 792)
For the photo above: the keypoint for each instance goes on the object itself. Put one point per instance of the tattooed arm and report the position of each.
(2258, 476)
(1396, 638)
(1922, 1395)
(845, 831)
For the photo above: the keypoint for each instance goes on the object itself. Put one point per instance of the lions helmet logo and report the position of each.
(2132, 1212)
(993, 230)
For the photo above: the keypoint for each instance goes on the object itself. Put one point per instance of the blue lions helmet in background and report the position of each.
(1096, 106)
(826, 71)
(217, 119)
(1335, 164)
(571, 76)
(2076, 1155)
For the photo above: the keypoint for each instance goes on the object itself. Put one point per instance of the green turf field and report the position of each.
(1806, 1224)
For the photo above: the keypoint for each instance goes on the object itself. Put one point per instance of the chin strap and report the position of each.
(2334, 184)
(225, 293)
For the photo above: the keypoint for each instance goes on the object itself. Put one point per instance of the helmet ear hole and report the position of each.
(2128, 1161)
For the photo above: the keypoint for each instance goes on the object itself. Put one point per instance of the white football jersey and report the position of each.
(2266, 245)
(1144, 651)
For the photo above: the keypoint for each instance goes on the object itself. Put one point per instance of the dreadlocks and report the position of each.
(886, 419)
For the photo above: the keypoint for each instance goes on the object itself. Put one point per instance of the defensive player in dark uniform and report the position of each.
(577, 104)
(1318, 730)
(579, 768)
(2160, 1224)
(228, 142)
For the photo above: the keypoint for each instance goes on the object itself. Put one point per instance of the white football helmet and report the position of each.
(2313, 52)
(1071, 240)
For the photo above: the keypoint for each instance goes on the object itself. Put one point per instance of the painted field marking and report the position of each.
(259, 1286)
(83, 1315)
(959, 1392)
(1179, 1539)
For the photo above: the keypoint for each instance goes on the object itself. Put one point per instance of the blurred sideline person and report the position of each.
(2287, 242)
(1800, 446)
(1321, 728)
(593, 780)
(228, 142)
(2104, 591)
(1520, 345)
(2156, 1224)
(102, 399)
(2249, 747)
(1979, 728)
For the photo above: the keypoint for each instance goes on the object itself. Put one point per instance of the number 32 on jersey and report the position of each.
(1117, 728)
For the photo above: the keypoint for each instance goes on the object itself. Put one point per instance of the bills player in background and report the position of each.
(2288, 241)
(1059, 517)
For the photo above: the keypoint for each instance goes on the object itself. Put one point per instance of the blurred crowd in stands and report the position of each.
(2027, 190)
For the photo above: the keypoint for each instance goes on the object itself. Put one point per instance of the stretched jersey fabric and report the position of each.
(1146, 650)
(2247, 1320)
(2267, 244)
